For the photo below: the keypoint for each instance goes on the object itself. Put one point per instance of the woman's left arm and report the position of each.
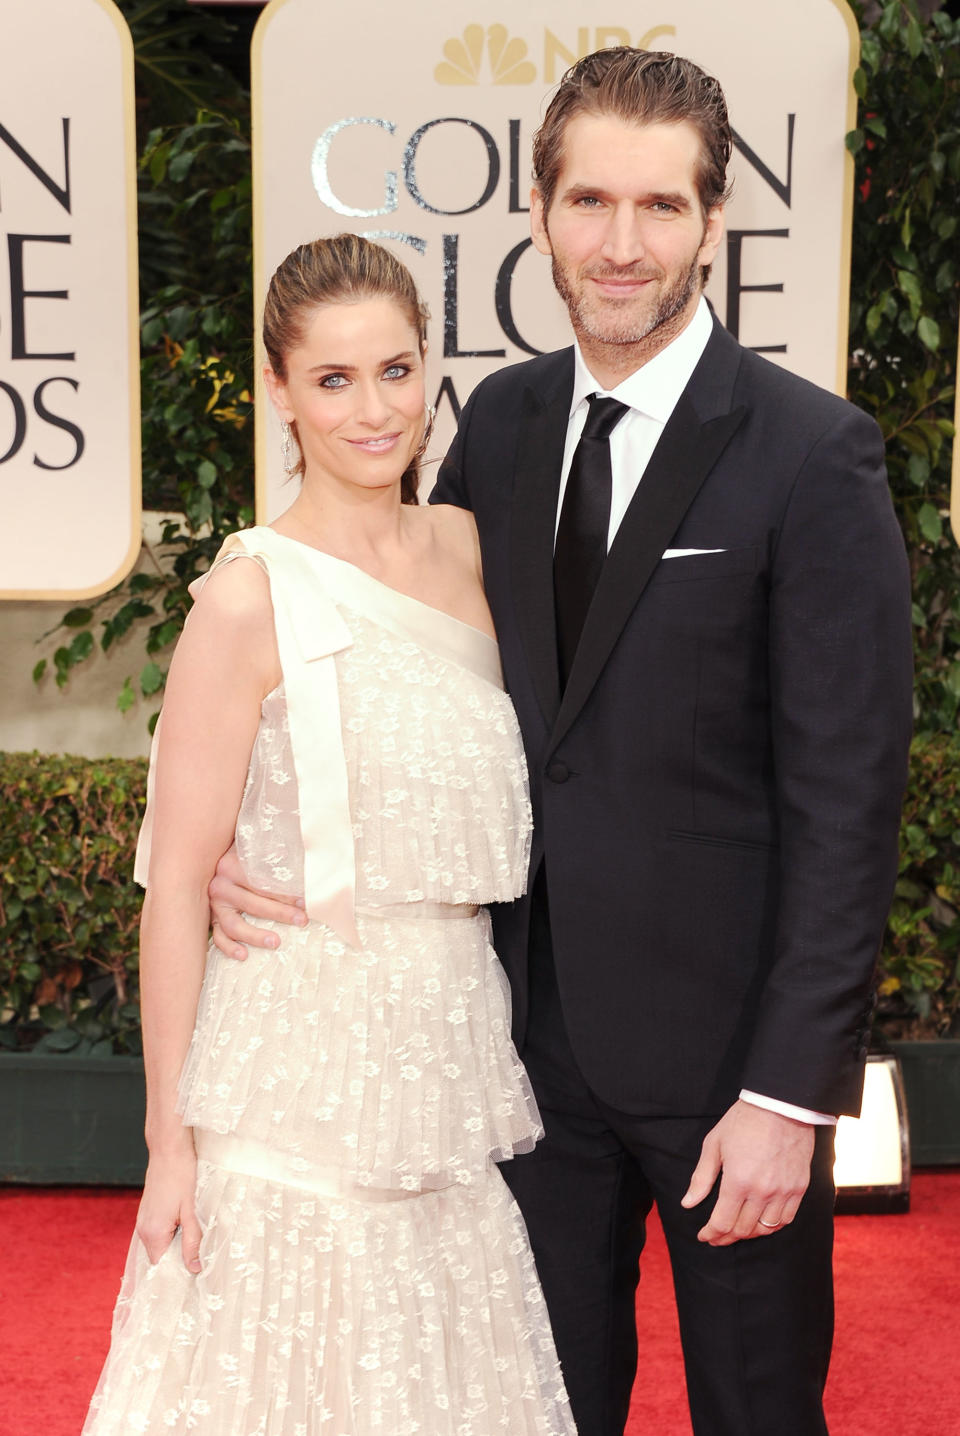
(225, 663)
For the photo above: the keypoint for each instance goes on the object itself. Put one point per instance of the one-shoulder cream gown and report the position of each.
(365, 1270)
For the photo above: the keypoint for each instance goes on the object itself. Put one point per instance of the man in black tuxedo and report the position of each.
(701, 597)
(717, 757)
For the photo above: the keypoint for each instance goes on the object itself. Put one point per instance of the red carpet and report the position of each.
(895, 1361)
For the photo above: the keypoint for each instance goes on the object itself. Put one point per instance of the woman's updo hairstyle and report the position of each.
(341, 270)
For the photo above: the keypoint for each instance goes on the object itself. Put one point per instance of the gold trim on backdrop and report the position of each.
(954, 486)
(133, 352)
(260, 399)
(849, 170)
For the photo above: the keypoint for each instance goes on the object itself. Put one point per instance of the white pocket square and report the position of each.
(689, 552)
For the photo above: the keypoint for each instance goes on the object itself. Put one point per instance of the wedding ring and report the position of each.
(771, 1225)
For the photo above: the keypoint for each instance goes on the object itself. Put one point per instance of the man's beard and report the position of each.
(631, 329)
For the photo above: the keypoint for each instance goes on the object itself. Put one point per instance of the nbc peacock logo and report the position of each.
(506, 58)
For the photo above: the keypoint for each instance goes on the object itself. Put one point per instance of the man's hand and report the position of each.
(230, 900)
(765, 1160)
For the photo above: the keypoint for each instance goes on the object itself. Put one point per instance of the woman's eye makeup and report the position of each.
(337, 380)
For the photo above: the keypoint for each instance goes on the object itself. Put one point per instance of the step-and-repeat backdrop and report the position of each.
(413, 124)
(69, 356)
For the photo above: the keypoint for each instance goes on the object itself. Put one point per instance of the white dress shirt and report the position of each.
(651, 394)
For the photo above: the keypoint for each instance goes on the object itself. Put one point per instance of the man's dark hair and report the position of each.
(642, 87)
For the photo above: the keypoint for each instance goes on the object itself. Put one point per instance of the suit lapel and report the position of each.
(688, 449)
(536, 486)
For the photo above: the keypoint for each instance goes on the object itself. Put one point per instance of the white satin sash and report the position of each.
(419, 910)
(310, 631)
(249, 1158)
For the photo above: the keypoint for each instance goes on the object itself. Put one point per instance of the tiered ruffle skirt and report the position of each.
(365, 1271)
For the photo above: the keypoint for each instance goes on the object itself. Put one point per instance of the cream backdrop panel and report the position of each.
(69, 377)
(414, 124)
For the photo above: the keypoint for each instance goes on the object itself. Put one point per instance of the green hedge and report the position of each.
(69, 910)
(69, 907)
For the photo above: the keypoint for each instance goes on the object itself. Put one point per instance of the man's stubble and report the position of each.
(606, 327)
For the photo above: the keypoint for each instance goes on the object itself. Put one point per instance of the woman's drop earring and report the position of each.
(291, 462)
(429, 415)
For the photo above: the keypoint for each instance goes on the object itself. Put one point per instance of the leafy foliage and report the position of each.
(178, 71)
(920, 967)
(903, 335)
(904, 313)
(69, 911)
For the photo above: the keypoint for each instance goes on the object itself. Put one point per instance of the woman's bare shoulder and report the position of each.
(233, 611)
(237, 590)
(229, 634)
(455, 527)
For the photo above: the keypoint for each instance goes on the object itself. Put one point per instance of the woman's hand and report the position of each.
(168, 1203)
(230, 901)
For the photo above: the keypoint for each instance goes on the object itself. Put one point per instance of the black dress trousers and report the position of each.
(756, 1318)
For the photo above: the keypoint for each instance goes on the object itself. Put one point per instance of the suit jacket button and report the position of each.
(558, 772)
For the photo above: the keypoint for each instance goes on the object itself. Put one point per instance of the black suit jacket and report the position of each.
(716, 794)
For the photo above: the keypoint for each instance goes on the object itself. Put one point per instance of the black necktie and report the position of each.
(581, 545)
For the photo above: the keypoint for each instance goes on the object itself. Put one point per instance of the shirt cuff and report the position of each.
(787, 1109)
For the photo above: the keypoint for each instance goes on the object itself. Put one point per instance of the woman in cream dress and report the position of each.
(325, 1246)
